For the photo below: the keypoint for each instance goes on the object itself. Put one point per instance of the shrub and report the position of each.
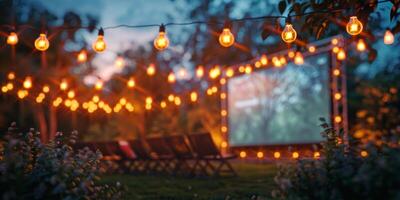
(343, 173)
(30, 169)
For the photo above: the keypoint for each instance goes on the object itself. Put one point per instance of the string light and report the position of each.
(95, 98)
(337, 96)
(131, 83)
(338, 119)
(277, 154)
(193, 96)
(264, 60)
(27, 83)
(248, 69)
(226, 38)
(336, 72)
(12, 38)
(361, 45)
(151, 69)
(291, 54)
(98, 85)
(388, 38)
(224, 144)
(354, 26)
(341, 55)
(171, 77)
(224, 129)
(335, 49)
(46, 89)
(317, 155)
(312, 49)
(82, 56)
(295, 155)
(200, 71)
(163, 104)
(229, 72)
(243, 154)
(177, 101)
(10, 86)
(71, 94)
(119, 62)
(364, 153)
(22, 94)
(100, 45)
(298, 59)
(11, 75)
(260, 154)
(288, 34)
(63, 85)
(161, 42)
(42, 43)
(171, 97)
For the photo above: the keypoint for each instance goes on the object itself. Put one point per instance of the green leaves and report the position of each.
(282, 6)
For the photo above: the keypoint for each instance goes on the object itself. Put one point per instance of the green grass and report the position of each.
(254, 180)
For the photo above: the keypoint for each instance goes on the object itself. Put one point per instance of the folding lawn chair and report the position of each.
(206, 151)
(163, 154)
(143, 157)
(182, 152)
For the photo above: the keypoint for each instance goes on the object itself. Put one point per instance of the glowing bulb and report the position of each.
(361, 45)
(248, 69)
(42, 43)
(151, 70)
(354, 26)
(260, 154)
(163, 104)
(119, 62)
(149, 100)
(243, 154)
(193, 96)
(224, 144)
(364, 153)
(11, 76)
(336, 72)
(264, 60)
(229, 72)
(312, 49)
(388, 38)
(95, 98)
(131, 83)
(338, 96)
(161, 42)
(12, 39)
(226, 38)
(171, 97)
(341, 55)
(171, 77)
(177, 101)
(277, 154)
(288, 34)
(27, 83)
(295, 155)
(200, 71)
(99, 45)
(22, 93)
(298, 59)
(291, 54)
(338, 119)
(317, 155)
(98, 85)
(9, 86)
(63, 85)
(224, 129)
(71, 94)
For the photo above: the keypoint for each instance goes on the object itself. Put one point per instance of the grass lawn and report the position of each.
(254, 180)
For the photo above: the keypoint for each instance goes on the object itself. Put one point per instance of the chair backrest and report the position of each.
(139, 149)
(113, 148)
(203, 145)
(179, 146)
(126, 149)
(159, 146)
(103, 148)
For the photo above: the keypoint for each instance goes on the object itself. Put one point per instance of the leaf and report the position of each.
(282, 6)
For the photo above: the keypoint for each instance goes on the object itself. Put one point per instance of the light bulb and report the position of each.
(46, 89)
(119, 62)
(200, 71)
(82, 56)
(27, 83)
(288, 34)
(354, 26)
(63, 85)
(193, 96)
(71, 94)
(264, 60)
(361, 45)
(161, 42)
(42, 43)
(388, 38)
(171, 77)
(298, 59)
(131, 83)
(12, 38)
(151, 70)
(226, 38)
(277, 154)
(98, 85)
(341, 55)
(229, 72)
(11, 76)
(100, 45)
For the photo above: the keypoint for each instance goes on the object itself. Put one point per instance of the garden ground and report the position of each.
(255, 181)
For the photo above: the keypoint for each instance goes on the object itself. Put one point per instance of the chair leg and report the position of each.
(229, 167)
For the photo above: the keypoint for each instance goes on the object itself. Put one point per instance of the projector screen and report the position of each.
(279, 105)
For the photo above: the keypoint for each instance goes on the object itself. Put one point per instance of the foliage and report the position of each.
(343, 173)
(30, 169)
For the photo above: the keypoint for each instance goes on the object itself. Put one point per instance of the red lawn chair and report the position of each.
(206, 152)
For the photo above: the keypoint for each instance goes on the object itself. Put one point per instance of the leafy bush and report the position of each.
(30, 169)
(343, 173)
